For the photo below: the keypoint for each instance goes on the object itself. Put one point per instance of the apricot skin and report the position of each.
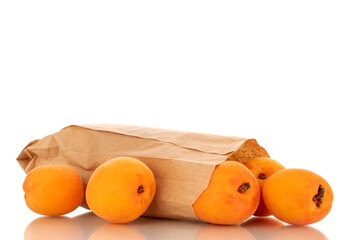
(53, 190)
(120, 190)
(263, 168)
(221, 202)
(289, 196)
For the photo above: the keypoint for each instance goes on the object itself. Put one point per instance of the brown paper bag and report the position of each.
(182, 162)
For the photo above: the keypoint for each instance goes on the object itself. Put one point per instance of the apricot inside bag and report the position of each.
(182, 162)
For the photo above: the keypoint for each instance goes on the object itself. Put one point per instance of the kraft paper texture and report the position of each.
(182, 162)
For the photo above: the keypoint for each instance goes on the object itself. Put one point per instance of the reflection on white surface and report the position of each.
(90, 227)
(262, 227)
(143, 228)
(269, 228)
(89, 223)
(290, 232)
(212, 232)
(55, 228)
(157, 228)
(112, 231)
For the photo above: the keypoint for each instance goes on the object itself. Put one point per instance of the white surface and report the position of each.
(284, 73)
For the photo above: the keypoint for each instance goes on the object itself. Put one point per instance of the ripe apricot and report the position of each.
(297, 196)
(231, 196)
(120, 190)
(53, 190)
(263, 168)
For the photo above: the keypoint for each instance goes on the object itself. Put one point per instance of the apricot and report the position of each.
(297, 196)
(120, 190)
(231, 196)
(54, 228)
(263, 168)
(53, 190)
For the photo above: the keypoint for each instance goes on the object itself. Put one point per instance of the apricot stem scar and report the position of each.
(244, 187)
(318, 197)
(140, 189)
(262, 176)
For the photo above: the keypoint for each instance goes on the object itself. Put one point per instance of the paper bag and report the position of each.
(182, 162)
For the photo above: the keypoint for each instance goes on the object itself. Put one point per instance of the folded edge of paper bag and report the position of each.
(237, 148)
(209, 143)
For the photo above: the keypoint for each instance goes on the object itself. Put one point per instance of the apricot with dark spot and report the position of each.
(231, 197)
(298, 196)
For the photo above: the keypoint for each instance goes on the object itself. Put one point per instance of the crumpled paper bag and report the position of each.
(182, 162)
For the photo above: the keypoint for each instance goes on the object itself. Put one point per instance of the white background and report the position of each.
(283, 72)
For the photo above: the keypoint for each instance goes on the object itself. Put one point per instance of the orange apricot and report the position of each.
(263, 168)
(120, 190)
(297, 196)
(53, 190)
(231, 196)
